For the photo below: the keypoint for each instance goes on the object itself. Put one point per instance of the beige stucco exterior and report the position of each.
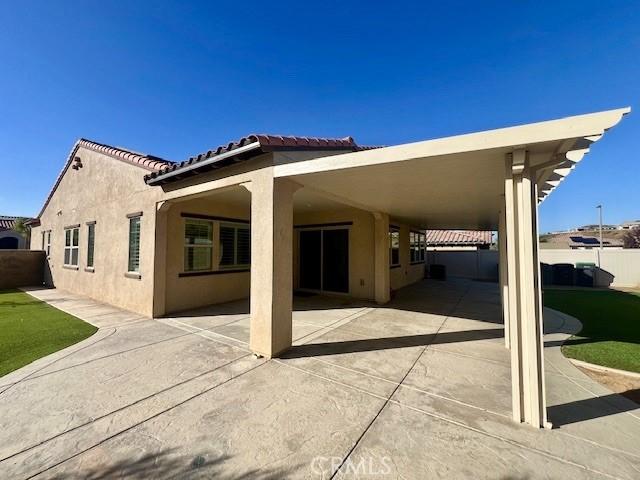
(457, 182)
(104, 190)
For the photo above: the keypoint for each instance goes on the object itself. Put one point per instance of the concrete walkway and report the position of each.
(418, 389)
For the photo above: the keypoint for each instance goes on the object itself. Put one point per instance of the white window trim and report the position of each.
(130, 218)
(71, 247)
(91, 225)
(236, 226)
(188, 245)
(48, 243)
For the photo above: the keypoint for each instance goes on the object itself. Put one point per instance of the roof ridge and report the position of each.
(266, 142)
(148, 162)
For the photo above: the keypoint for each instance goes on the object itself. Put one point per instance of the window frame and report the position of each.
(48, 244)
(71, 244)
(393, 231)
(187, 246)
(132, 219)
(236, 227)
(91, 244)
(417, 247)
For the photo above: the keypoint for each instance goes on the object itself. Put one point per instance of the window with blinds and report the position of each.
(91, 234)
(71, 246)
(134, 245)
(235, 245)
(198, 245)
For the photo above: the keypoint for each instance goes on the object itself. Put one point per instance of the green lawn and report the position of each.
(611, 326)
(31, 329)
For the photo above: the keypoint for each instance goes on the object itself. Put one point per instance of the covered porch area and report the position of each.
(489, 180)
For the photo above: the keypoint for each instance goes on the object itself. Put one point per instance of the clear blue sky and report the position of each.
(174, 80)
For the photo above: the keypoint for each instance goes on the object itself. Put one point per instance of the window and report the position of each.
(417, 246)
(235, 245)
(91, 236)
(134, 244)
(394, 246)
(43, 237)
(48, 244)
(198, 245)
(71, 246)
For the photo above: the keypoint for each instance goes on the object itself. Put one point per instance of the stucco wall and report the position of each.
(21, 268)
(22, 243)
(104, 190)
(360, 246)
(184, 292)
(406, 273)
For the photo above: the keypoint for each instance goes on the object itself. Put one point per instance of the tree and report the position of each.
(631, 238)
(20, 226)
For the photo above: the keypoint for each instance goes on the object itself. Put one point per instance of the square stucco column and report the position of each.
(524, 293)
(502, 271)
(382, 282)
(271, 263)
(160, 260)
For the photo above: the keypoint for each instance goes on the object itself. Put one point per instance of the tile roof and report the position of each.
(148, 162)
(7, 222)
(263, 143)
(458, 237)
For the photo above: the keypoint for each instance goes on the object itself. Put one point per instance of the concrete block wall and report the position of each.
(21, 268)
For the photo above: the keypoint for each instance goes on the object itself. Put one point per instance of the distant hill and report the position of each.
(582, 238)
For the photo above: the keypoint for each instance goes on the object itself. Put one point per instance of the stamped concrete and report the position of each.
(417, 389)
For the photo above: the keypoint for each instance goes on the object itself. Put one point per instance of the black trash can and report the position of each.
(438, 272)
(585, 274)
(563, 274)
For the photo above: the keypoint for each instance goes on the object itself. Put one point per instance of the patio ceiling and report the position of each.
(454, 182)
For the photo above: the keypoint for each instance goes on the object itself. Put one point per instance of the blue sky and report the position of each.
(174, 80)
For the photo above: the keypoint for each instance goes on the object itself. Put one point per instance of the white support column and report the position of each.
(527, 365)
(382, 283)
(271, 263)
(504, 280)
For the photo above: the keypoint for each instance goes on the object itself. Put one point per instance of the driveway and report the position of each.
(417, 389)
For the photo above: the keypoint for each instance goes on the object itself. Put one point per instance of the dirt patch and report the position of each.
(626, 386)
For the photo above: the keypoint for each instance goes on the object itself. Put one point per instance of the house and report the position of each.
(587, 228)
(9, 237)
(629, 225)
(266, 215)
(458, 240)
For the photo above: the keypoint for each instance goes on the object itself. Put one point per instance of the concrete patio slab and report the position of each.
(417, 389)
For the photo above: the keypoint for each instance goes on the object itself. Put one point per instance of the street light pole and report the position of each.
(599, 207)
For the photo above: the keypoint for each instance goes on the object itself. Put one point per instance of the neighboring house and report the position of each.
(267, 215)
(586, 228)
(9, 238)
(458, 240)
(629, 225)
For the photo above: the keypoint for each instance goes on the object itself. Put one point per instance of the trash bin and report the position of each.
(563, 274)
(438, 272)
(585, 274)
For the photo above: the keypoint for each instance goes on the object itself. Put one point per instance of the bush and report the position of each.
(631, 238)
